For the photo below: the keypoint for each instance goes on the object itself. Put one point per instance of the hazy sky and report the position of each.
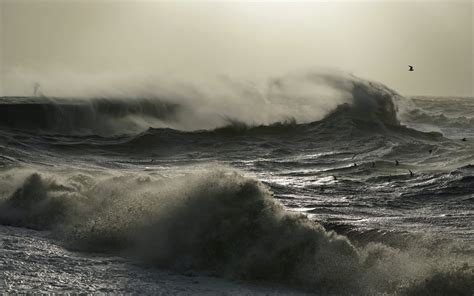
(48, 40)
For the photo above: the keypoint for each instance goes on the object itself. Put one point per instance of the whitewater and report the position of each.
(316, 183)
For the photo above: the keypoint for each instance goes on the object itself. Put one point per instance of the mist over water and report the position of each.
(131, 108)
(320, 181)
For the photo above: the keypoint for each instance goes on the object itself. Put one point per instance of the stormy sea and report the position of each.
(317, 183)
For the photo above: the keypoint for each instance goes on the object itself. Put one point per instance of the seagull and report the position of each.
(411, 173)
(396, 162)
(411, 68)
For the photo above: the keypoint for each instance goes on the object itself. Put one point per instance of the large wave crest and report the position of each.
(302, 98)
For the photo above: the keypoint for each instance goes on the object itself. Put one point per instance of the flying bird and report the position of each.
(410, 68)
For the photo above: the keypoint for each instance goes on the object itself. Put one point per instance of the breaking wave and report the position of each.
(301, 98)
(223, 223)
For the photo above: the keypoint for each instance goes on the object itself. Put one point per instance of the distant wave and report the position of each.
(419, 116)
(245, 233)
(299, 99)
(341, 125)
(338, 126)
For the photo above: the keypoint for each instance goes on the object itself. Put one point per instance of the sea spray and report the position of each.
(300, 97)
(216, 221)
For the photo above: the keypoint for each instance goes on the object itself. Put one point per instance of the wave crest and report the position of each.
(304, 98)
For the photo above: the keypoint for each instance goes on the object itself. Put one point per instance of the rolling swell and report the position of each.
(419, 116)
(340, 125)
(245, 233)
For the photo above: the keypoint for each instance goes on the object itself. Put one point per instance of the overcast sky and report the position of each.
(375, 40)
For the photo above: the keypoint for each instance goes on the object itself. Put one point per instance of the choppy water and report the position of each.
(390, 175)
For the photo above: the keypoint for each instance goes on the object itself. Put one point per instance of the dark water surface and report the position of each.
(390, 175)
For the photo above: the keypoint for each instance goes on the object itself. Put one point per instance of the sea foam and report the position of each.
(220, 222)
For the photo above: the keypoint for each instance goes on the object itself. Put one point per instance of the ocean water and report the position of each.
(361, 191)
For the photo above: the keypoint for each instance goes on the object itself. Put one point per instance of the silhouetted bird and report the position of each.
(464, 139)
(430, 151)
(410, 68)
(373, 164)
(355, 164)
(411, 173)
(396, 162)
